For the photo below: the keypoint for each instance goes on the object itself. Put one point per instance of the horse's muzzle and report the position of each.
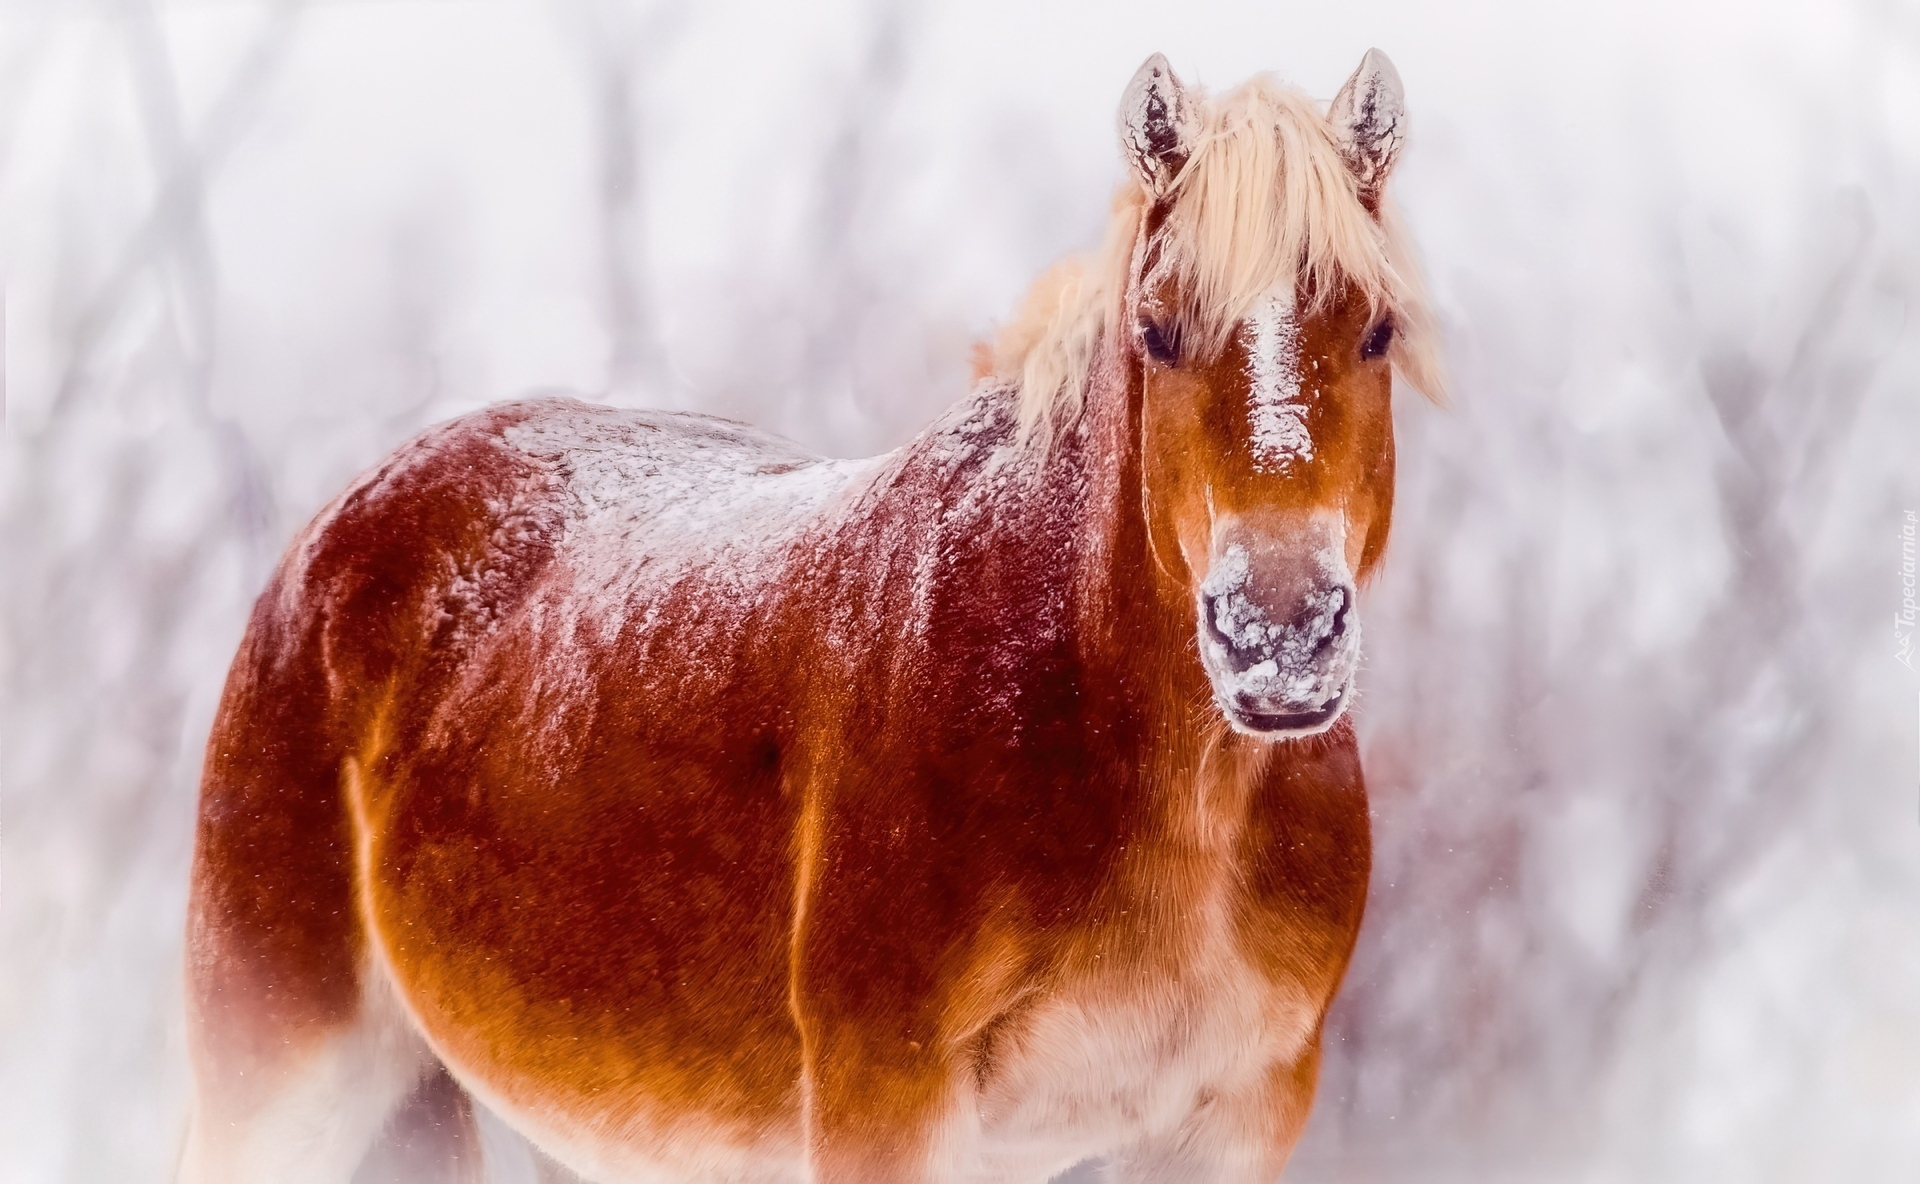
(1280, 642)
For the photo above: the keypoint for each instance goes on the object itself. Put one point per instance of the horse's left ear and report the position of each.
(1369, 118)
(1157, 124)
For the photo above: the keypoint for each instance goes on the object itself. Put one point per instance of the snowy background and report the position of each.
(1647, 894)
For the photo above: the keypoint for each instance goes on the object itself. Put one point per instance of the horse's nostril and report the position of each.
(1245, 636)
(1343, 608)
(1214, 610)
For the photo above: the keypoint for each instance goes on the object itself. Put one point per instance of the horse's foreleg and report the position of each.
(878, 1085)
(1236, 1137)
(875, 1118)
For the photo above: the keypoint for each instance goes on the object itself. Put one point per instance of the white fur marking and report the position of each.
(1278, 417)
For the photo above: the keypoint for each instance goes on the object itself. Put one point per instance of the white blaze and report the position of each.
(1278, 417)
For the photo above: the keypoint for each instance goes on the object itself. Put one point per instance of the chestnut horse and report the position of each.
(714, 812)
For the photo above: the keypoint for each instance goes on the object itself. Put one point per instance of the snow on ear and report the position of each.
(1157, 124)
(1369, 119)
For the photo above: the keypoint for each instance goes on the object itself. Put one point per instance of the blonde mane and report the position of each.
(1265, 199)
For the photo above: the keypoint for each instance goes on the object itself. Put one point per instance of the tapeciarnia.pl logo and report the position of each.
(1903, 621)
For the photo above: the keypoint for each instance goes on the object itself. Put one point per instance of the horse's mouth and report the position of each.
(1246, 715)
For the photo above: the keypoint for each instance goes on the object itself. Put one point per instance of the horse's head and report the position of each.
(1266, 306)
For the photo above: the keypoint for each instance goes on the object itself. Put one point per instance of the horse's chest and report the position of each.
(1132, 1054)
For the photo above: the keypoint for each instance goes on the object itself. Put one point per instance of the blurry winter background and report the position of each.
(1647, 895)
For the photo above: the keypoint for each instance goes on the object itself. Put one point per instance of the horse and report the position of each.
(712, 811)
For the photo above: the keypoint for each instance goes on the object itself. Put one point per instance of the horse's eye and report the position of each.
(1161, 347)
(1377, 341)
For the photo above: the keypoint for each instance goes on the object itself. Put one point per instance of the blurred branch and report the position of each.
(171, 246)
(624, 46)
(843, 292)
(174, 227)
(166, 257)
(25, 56)
(181, 209)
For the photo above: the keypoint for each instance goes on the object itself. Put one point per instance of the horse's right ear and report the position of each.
(1158, 125)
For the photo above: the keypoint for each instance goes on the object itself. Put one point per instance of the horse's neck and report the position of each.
(1130, 604)
(1077, 500)
(1133, 626)
(1015, 570)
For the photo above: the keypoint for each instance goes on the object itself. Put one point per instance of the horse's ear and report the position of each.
(1369, 118)
(1157, 124)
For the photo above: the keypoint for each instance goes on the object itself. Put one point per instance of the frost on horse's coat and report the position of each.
(713, 811)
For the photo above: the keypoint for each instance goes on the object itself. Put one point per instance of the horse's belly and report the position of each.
(653, 1143)
(617, 1113)
(604, 965)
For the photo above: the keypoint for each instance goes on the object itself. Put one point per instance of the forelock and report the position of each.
(1266, 202)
